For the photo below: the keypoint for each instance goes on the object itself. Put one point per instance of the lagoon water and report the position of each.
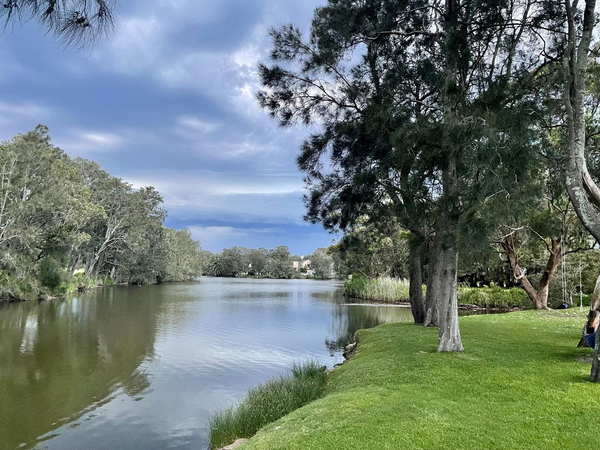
(144, 367)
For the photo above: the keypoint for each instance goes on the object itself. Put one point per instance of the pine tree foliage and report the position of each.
(75, 22)
(372, 75)
(424, 110)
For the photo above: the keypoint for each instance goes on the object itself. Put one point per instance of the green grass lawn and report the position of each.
(520, 384)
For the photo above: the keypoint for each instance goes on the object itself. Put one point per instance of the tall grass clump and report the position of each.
(385, 289)
(392, 290)
(494, 297)
(268, 402)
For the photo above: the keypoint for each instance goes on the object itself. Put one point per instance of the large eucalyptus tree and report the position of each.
(576, 35)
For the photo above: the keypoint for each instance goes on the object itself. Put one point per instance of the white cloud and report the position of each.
(216, 232)
(155, 41)
(102, 139)
(179, 78)
(187, 124)
(81, 142)
(218, 237)
(189, 183)
(215, 238)
(24, 109)
(229, 196)
(237, 148)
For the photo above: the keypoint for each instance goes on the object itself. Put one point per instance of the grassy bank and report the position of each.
(268, 402)
(394, 290)
(521, 384)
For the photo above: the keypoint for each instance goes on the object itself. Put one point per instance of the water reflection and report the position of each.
(145, 367)
(59, 359)
(348, 319)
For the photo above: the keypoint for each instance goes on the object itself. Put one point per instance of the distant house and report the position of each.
(303, 266)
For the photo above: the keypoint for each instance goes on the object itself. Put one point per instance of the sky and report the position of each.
(168, 101)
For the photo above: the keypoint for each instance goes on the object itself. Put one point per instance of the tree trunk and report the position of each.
(518, 274)
(595, 375)
(554, 261)
(416, 282)
(442, 298)
(539, 297)
(89, 267)
(93, 268)
(595, 302)
(448, 302)
(433, 283)
(583, 192)
(74, 262)
(444, 294)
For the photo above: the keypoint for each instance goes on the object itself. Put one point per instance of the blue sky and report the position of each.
(168, 101)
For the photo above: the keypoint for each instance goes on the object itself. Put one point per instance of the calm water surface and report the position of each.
(144, 367)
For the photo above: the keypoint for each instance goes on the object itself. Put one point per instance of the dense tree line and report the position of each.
(372, 251)
(66, 223)
(265, 263)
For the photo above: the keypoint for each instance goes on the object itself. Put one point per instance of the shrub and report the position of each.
(494, 297)
(268, 402)
(556, 302)
(26, 287)
(80, 280)
(356, 286)
(52, 275)
(108, 281)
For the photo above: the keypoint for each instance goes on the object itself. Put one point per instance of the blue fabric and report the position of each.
(590, 339)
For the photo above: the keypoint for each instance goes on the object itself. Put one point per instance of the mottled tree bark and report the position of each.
(442, 297)
(416, 282)
(583, 192)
